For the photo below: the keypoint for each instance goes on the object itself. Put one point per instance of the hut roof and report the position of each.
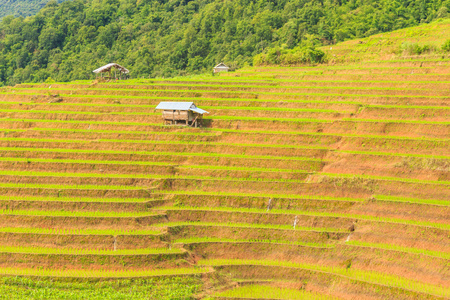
(181, 106)
(221, 65)
(107, 68)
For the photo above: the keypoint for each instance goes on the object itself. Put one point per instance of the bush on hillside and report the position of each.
(297, 56)
(415, 49)
(446, 46)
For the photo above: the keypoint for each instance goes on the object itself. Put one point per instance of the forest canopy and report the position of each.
(21, 7)
(163, 38)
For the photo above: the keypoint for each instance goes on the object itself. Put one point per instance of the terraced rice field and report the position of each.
(311, 182)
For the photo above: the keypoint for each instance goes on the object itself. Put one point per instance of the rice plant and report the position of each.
(392, 247)
(351, 273)
(270, 292)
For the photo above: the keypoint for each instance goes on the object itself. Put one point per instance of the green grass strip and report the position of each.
(152, 107)
(259, 195)
(369, 136)
(54, 231)
(386, 178)
(310, 213)
(196, 99)
(201, 240)
(393, 121)
(81, 161)
(157, 153)
(155, 91)
(215, 107)
(189, 131)
(354, 274)
(270, 292)
(196, 84)
(147, 163)
(68, 130)
(69, 112)
(439, 254)
(251, 225)
(67, 251)
(236, 108)
(375, 153)
(71, 186)
(74, 273)
(224, 130)
(152, 142)
(413, 200)
(79, 199)
(228, 178)
(301, 120)
(83, 214)
(139, 176)
(295, 120)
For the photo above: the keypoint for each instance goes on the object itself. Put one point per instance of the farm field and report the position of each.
(326, 182)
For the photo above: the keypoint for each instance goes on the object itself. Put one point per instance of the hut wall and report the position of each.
(175, 115)
(220, 69)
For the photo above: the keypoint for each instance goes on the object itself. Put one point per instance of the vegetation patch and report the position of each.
(270, 292)
(165, 288)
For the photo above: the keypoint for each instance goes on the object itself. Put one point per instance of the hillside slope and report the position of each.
(318, 182)
(169, 38)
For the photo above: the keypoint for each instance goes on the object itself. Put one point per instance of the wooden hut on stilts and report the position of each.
(185, 113)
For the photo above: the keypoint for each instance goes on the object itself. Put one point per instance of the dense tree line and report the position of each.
(171, 37)
(21, 7)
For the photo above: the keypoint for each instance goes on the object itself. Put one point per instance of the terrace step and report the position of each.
(430, 270)
(82, 204)
(192, 232)
(121, 158)
(84, 220)
(324, 282)
(358, 153)
(258, 217)
(82, 239)
(103, 274)
(82, 259)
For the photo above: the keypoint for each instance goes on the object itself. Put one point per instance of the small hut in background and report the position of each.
(185, 113)
(108, 69)
(221, 68)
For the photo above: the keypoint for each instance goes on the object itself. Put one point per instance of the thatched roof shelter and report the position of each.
(108, 67)
(221, 68)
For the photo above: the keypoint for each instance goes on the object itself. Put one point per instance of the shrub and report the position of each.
(296, 56)
(446, 46)
(415, 49)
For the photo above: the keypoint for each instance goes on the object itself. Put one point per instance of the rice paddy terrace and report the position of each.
(356, 156)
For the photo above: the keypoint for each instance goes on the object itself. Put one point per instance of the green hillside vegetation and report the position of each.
(427, 39)
(21, 8)
(324, 181)
(167, 38)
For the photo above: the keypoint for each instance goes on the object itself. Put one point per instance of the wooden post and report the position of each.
(194, 122)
